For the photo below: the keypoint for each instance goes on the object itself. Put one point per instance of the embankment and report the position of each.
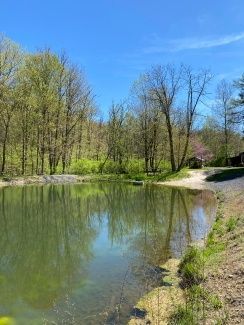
(206, 286)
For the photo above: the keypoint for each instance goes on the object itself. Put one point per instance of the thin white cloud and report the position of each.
(193, 43)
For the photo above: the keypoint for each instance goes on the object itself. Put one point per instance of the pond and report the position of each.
(85, 253)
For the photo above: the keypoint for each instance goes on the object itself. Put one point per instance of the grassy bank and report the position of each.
(195, 267)
(205, 286)
(58, 178)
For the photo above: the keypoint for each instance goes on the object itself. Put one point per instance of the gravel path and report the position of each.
(43, 179)
(198, 180)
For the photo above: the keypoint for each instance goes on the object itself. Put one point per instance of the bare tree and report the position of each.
(164, 83)
(195, 90)
(223, 111)
(167, 87)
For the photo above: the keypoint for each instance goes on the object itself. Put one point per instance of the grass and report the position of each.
(169, 175)
(191, 267)
(194, 268)
(157, 177)
(183, 316)
(231, 224)
(163, 176)
(193, 312)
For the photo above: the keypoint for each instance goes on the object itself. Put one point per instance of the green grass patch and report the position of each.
(169, 175)
(183, 316)
(231, 224)
(194, 268)
(191, 268)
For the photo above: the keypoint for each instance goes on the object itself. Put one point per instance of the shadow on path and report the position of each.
(222, 175)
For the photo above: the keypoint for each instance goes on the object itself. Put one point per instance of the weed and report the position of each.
(191, 267)
(215, 301)
(183, 316)
(231, 224)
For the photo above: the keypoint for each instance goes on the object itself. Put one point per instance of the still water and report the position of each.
(83, 254)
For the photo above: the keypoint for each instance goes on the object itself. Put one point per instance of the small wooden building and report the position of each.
(196, 162)
(236, 161)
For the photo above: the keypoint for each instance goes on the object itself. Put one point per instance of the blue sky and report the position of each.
(116, 40)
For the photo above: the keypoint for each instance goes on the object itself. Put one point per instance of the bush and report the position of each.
(218, 162)
(135, 166)
(137, 177)
(85, 166)
(164, 165)
(112, 167)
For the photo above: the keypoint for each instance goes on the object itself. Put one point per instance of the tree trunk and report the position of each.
(171, 144)
(4, 148)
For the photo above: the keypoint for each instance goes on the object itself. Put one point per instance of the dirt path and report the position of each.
(196, 180)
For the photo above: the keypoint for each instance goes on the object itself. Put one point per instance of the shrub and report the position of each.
(164, 165)
(218, 162)
(138, 177)
(85, 166)
(112, 167)
(135, 166)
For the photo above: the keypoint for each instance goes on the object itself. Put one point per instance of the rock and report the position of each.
(137, 182)
(138, 313)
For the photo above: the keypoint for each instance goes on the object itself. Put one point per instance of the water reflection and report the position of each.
(81, 240)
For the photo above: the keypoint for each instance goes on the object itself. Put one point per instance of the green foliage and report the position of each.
(169, 175)
(219, 161)
(112, 167)
(183, 316)
(218, 228)
(135, 166)
(231, 224)
(138, 177)
(84, 167)
(164, 165)
(215, 301)
(199, 295)
(214, 246)
(132, 167)
(191, 267)
(198, 300)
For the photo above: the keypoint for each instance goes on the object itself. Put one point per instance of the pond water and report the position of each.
(84, 254)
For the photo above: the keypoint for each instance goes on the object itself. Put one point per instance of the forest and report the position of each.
(50, 120)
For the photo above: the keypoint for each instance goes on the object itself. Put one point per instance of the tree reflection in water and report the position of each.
(81, 240)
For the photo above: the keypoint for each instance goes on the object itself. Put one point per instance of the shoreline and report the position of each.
(230, 204)
(163, 302)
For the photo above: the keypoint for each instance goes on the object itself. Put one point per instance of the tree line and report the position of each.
(50, 122)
